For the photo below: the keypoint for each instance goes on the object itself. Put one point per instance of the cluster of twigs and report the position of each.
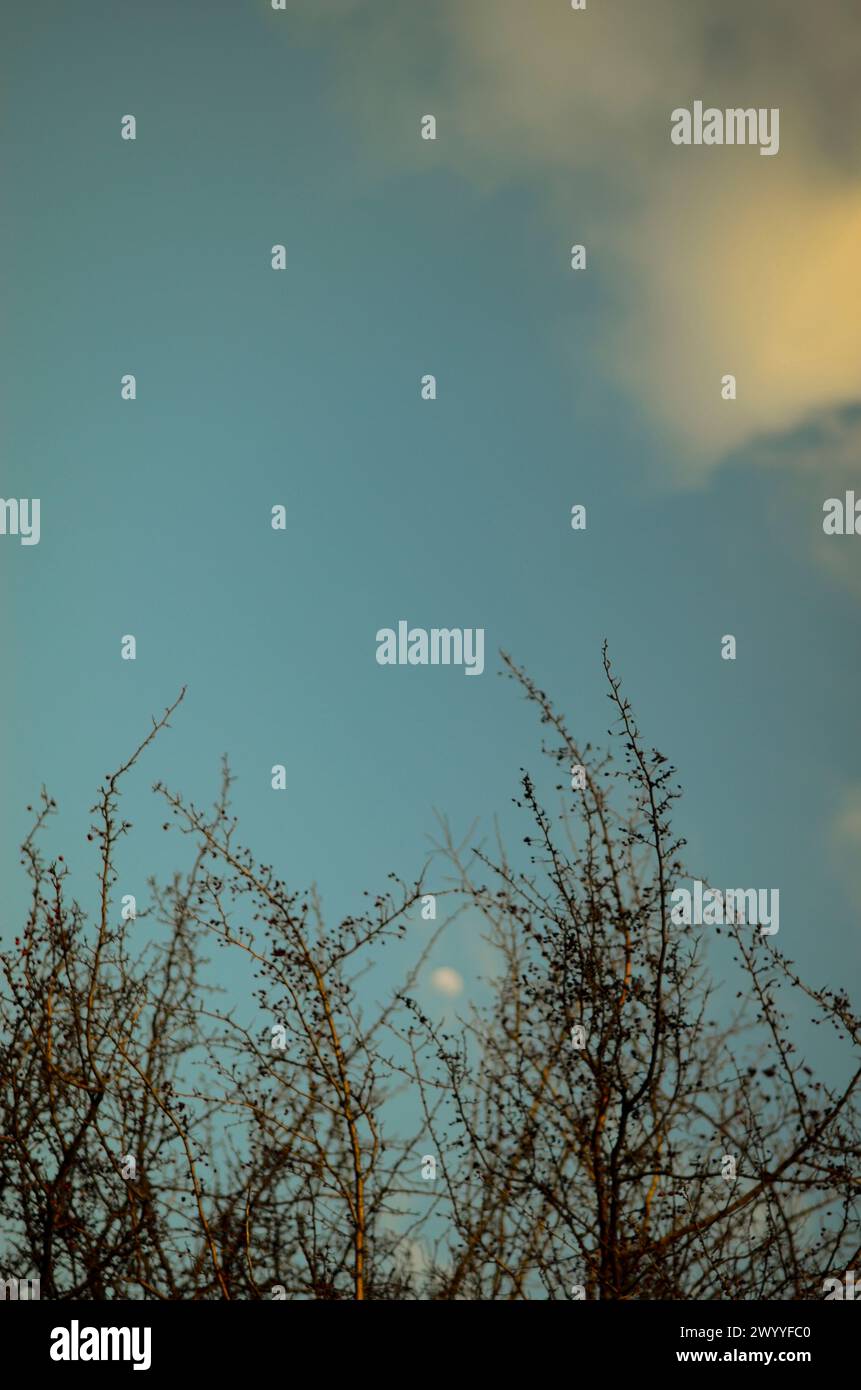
(154, 1144)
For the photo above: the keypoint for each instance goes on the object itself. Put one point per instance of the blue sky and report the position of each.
(302, 388)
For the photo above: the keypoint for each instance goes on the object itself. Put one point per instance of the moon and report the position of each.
(447, 981)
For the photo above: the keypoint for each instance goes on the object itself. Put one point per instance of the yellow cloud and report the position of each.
(755, 276)
(727, 262)
(846, 826)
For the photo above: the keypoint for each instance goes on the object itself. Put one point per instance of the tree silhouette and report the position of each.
(155, 1144)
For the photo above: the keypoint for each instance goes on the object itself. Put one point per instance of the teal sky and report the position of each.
(302, 388)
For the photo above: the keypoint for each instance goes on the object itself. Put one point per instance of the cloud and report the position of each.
(762, 287)
(721, 261)
(817, 461)
(845, 836)
(846, 825)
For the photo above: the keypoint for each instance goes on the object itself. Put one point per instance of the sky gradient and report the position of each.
(407, 257)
